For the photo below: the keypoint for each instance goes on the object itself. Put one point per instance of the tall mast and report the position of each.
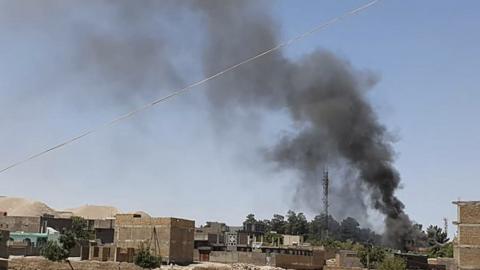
(325, 199)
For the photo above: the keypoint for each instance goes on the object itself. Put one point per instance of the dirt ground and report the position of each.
(39, 263)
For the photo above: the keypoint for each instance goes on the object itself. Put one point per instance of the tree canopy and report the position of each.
(313, 231)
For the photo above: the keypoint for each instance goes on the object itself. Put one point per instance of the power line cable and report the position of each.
(202, 81)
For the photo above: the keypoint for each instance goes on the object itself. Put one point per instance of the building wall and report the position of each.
(18, 223)
(103, 223)
(291, 240)
(287, 261)
(449, 263)
(469, 258)
(469, 235)
(171, 237)
(181, 240)
(3, 264)
(469, 213)
(101, 253)
(4, 236)
(467, 246)
(59, 224)
(105, 236)
(347, 258)
(229, 257)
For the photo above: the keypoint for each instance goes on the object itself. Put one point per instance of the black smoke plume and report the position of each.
(325, 97)
(124, 48)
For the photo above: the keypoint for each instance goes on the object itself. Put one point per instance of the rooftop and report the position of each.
(466, 202)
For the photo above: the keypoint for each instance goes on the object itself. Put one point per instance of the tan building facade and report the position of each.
(292, 240)
(20, 223)
(170, 238)
(467, 246)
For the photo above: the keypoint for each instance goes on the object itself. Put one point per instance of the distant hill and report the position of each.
(24, 207)
(15, 206)
(95, 211)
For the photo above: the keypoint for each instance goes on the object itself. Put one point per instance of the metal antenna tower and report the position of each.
(445, 225)
(325, 199)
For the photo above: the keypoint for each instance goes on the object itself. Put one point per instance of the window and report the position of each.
(95, 251)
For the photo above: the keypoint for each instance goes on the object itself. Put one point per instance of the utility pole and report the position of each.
(325, 199)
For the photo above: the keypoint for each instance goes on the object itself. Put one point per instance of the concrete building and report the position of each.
(170, 238)
(4, 236)
(34, 239)
(467, 245)
(417, 261)
(28, 243)
(292, 240)
(20, 223)
(347, 259)
(211, 235)
(255, 233)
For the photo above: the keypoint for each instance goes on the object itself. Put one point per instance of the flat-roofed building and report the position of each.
(4, 237)
(168, 237)
(20, 223)
(292, 240)
(467, 244)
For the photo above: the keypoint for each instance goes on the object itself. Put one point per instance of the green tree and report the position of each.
(445, 251)
(277, 223)
(371, 256)
(80, 229)
(291, 222)
(392, 263)
(436, 236)
(349, 229)
(265, 224)
(146, 259)
(250, 219)
(54, 252)
(301, 226)
(296, 224)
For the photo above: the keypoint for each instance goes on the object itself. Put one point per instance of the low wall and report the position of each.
(299, 261)
(341, 268)
(23, 251)
(288, 261)
(3, 264)
(448, 262)
(35, 263)
(229, 257)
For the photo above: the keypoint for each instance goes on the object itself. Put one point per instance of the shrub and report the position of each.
(392, 263)
(441, 251)
(54, 252)
(371, 256)
(146, 259)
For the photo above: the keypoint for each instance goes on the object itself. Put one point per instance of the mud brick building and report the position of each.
(20, 223)
(4, 236)
(170, 238)
(467, 246)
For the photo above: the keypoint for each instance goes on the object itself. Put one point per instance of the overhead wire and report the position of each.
(197, 83)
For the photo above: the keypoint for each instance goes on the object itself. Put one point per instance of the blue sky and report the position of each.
(427, 53)
(167, 162)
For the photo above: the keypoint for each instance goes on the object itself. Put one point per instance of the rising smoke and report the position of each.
(124, 45)
(325, 97)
